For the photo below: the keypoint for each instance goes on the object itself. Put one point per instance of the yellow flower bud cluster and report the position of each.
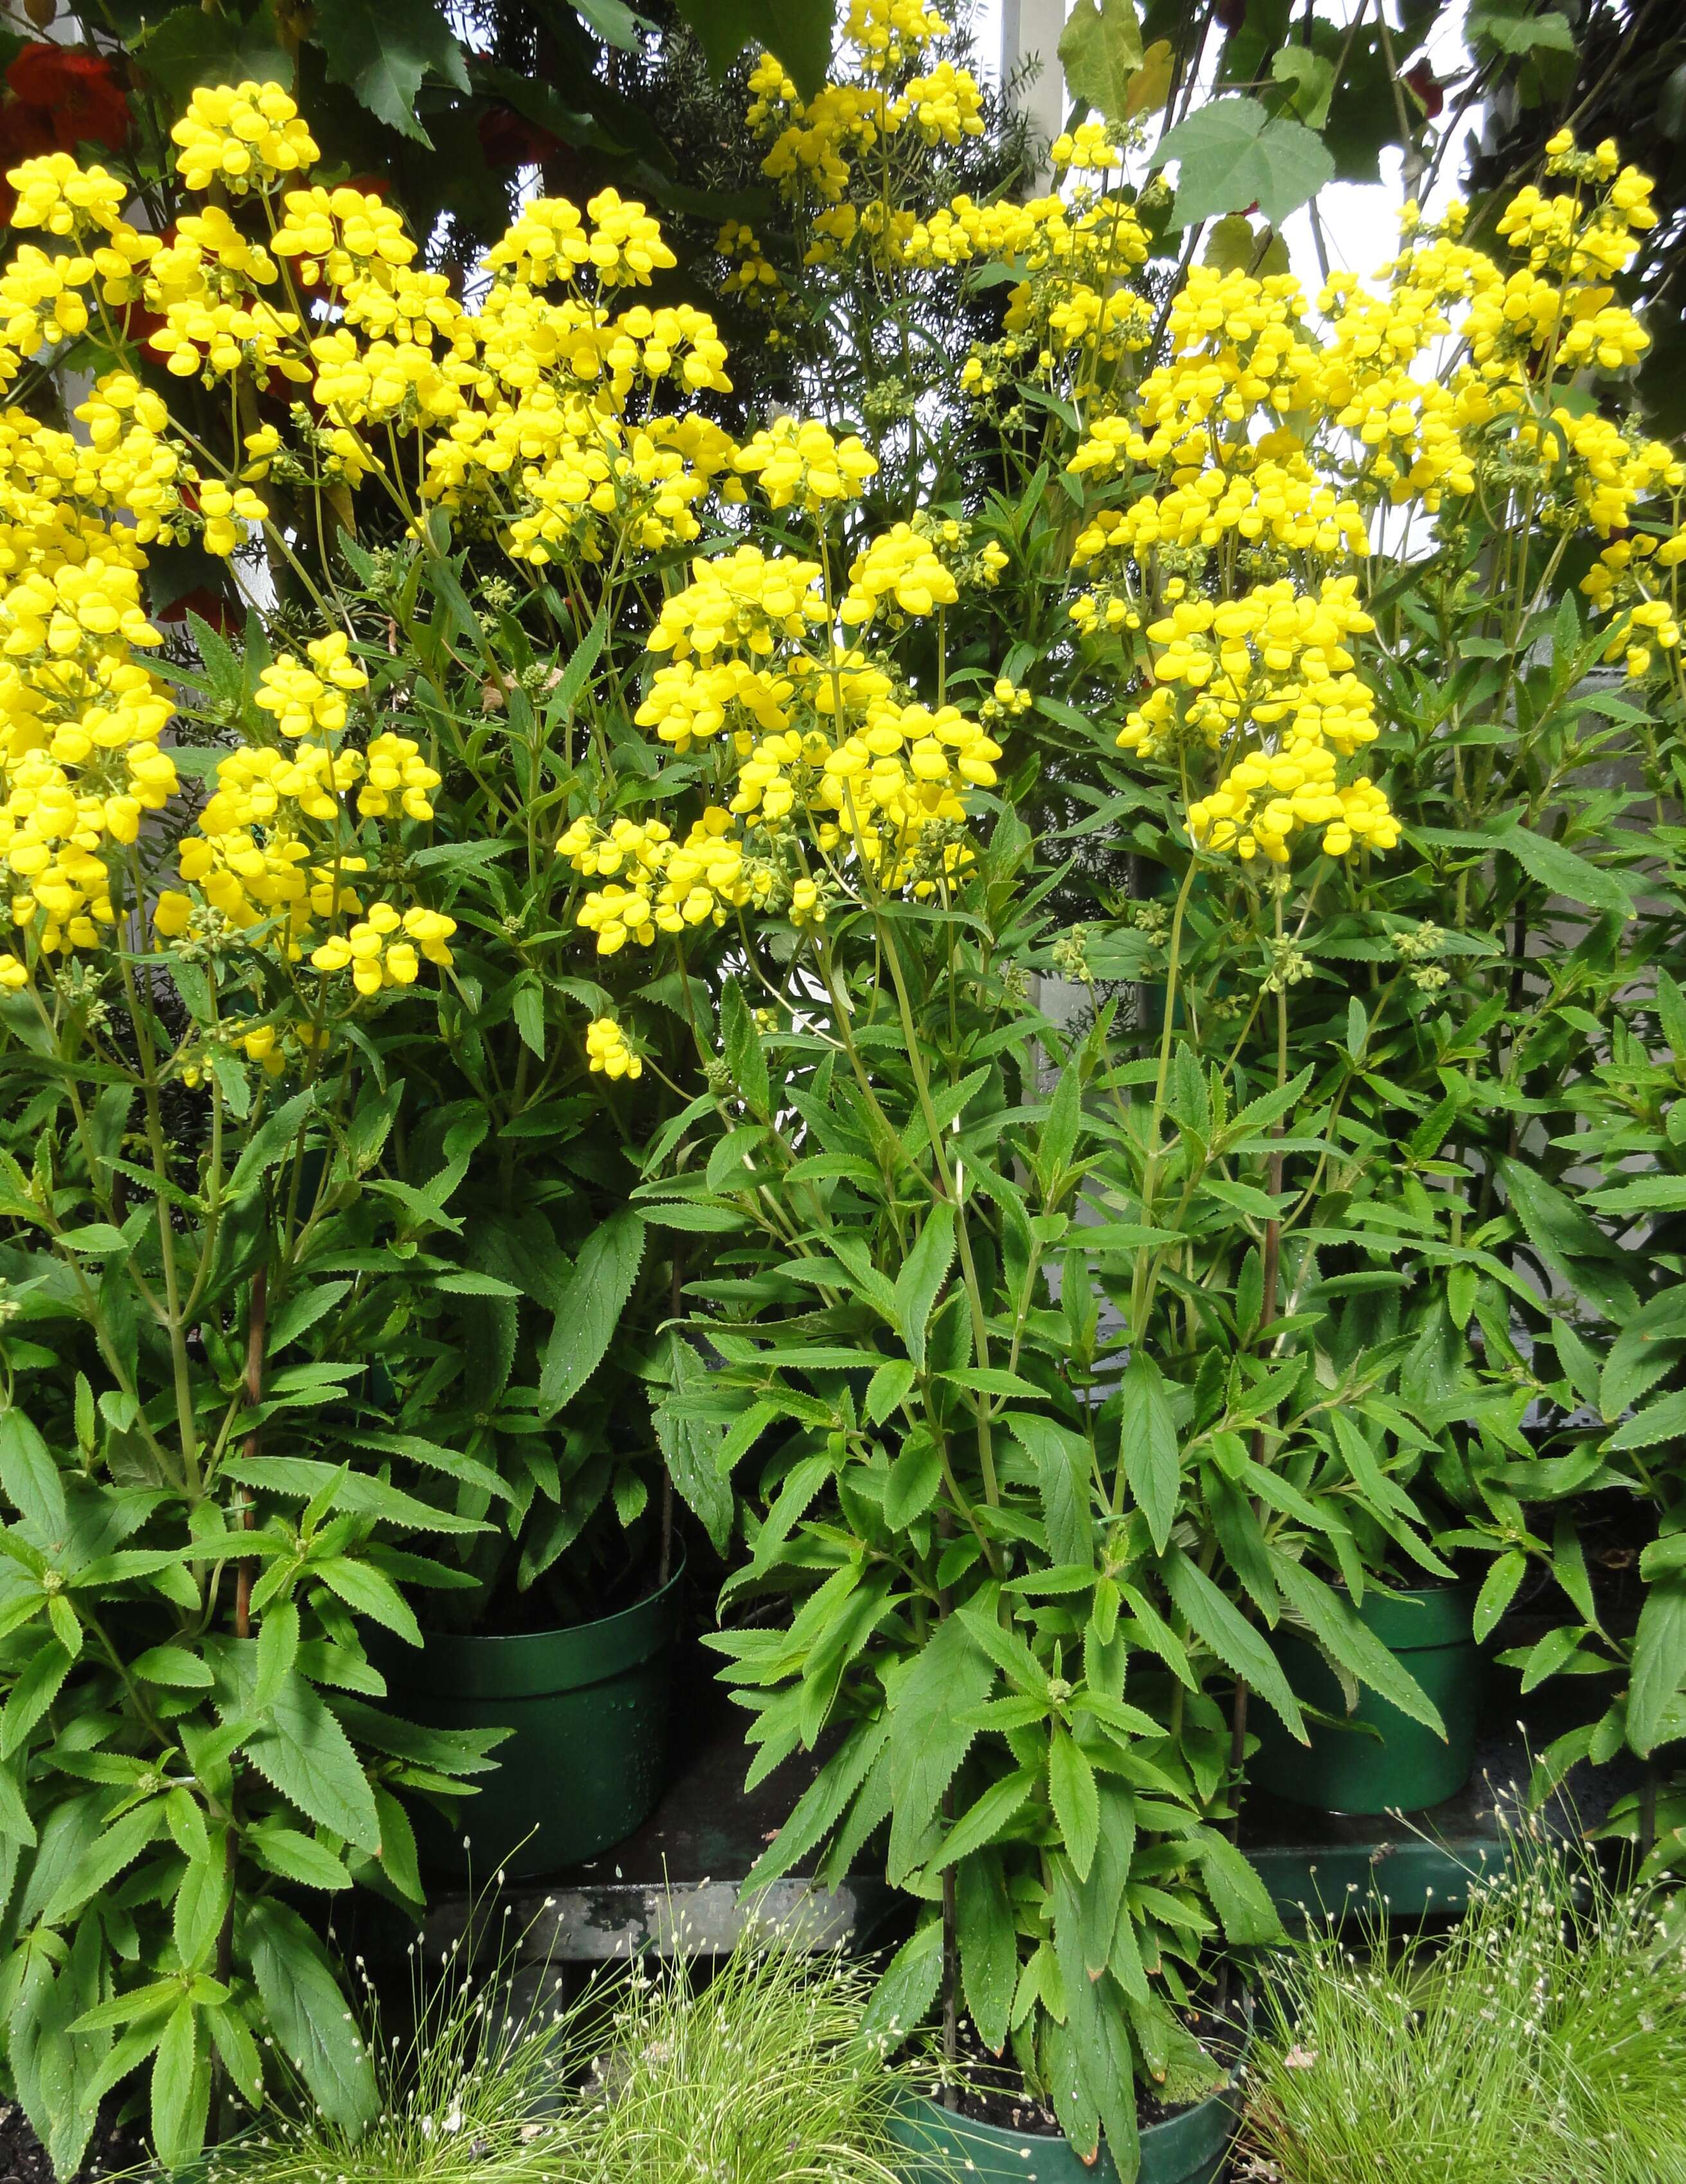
(80, 721)
(549, 241)
(1600, 467)
(245, 136)
(754, 276)
(887, 32)
(607, 1050)
(1259, 496)
(690, 701)
(817, 145)
(338, 235)
(945, 105)
(744, 599)
(54, 193)
(1088, 147)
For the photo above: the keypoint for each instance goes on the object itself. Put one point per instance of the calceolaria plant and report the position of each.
(1614, 1407)
(190, 1733)
(1243, 538)
(606, 798)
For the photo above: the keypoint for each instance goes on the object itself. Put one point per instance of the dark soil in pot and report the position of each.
(997, 2132)
(987, 2088)
(113, 2148)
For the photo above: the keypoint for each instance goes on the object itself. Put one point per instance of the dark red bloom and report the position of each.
(1432, 93)
(210, 607)
(509, 139)
(74, 92)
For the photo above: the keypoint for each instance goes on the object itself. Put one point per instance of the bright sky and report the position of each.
(1358, 220)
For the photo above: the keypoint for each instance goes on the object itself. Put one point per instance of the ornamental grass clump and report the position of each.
(472, 2089)
(1543, 2040)
(766, 2074)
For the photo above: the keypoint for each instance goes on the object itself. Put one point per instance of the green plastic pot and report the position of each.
(1376, 1759)
(586, 1761)
(942, 2147)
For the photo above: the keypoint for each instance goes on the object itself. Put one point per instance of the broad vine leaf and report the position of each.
(1311, 78)
(1231, 154)
(382, 51)
(799, 32)
(1234, 247)
(189, 47)
(1519, 26)
(1100, 50)
(614, 22)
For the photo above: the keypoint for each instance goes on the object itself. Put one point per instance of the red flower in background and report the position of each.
(509, 139)
(1432, 93)
(60, 97)
(213, 607)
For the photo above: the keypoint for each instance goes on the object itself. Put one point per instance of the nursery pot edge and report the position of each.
(587, 1706)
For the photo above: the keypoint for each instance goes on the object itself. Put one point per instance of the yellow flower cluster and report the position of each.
(901, 568)
(801, 463)
(1267, 681)
(274, 852)
(945, 105)
(303, 697)
(244, 137)
(533, 415)
(744, 599)
(754, 276)
(80, 718)
(549, 241)
(381, 950)
(817, 145)
(607, 1050)
(1089, 147)
(336, 234)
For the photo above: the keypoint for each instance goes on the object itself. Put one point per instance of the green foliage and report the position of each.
(465, 2094)
(771, 2066)
(1542, 2039)
(186, 1587)
(1233, 154)
(1100, 52)
(1020, 1556)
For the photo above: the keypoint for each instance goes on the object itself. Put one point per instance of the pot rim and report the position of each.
(593, 1627)
(1170, 2126)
